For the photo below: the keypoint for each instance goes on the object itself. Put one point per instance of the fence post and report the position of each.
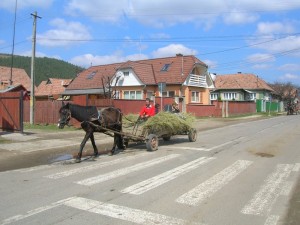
(21, 112)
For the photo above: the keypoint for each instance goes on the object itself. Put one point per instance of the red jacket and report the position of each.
(147, 111)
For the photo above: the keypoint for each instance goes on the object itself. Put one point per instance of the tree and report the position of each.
(285, 91)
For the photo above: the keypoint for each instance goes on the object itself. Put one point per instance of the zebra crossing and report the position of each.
(275, 184)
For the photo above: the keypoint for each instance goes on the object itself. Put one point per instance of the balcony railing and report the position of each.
(197, 80)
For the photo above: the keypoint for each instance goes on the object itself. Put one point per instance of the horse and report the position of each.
(107, 120)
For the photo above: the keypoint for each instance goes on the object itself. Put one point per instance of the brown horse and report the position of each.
(107, 120)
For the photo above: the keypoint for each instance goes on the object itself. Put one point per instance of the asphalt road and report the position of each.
(237, 172)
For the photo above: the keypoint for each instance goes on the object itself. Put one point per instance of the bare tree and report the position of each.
(285, 91)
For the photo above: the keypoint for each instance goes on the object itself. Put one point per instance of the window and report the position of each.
(132, 95)
(229, 96)
(149, 94)
(195, 96)
(165, 67)
(126, 73)
(168, 93)
(91, 75)
(117, 95)
(214, 96)
(250, 96)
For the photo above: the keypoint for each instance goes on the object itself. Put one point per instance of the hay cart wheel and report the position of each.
(152, 142)
(192, 135)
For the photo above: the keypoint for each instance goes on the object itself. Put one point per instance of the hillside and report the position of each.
(44, 67)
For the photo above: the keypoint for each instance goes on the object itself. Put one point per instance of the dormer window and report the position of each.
(166, 67)
(126, 73)
(91, 75)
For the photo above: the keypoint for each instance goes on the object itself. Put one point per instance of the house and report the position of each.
(244, 87)
(13, 78)
(184, 78)
(17, 88)
(240, 87)
(51, 89)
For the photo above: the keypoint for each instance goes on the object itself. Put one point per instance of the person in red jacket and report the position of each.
(147, 110)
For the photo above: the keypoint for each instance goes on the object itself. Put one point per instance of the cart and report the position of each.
(136, 133)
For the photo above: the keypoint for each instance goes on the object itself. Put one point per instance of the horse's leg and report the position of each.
(112, 151)
(94, 145)
(86, 137)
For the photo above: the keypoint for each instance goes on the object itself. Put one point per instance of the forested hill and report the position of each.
(44, 67)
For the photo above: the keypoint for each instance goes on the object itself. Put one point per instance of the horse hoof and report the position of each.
(110, 153)
(77, 160)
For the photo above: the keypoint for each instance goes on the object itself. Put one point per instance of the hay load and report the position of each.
(166, 123)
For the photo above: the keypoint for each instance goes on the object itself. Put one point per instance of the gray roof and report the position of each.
(83, 91)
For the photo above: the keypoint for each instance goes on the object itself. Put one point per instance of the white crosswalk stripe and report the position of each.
(93, 167)
(165, 177)
(124, 213)
(124, 171)
(212, 185)
(269, 192)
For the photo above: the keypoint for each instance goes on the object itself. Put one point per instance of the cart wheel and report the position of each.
(166, 138)
(126, 142)
(152, 142)
(192, 135)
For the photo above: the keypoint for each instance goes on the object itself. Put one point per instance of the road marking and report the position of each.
(212, 185)
(158, 180)
(272, 220)
(197, 149)
(34, 212)
(183, 148)
(263, 200)
(297, 167)
(124, 213)
(126, 170)
(93, 167)
(287, 188)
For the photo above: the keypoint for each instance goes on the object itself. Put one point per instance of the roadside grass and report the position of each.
(47, 127)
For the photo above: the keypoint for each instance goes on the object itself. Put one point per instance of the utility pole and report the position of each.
(32, 98)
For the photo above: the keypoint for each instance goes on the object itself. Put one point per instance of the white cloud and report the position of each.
(290, 77)
(290, 67)
(88, 59)
(38, 54)
(161, 13)
(211, 64)
(274, 28)
(240, 18)
(64, 33)
(108, 10)
(288, 45)
(260, 58)
(10, 4)
(172, 50)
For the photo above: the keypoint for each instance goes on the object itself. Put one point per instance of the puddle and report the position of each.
(261, 154)
(61, 158)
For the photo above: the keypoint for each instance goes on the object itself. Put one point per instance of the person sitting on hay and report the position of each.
(175, 107)
(147, 110)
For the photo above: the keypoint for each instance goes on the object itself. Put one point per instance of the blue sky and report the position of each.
(249, 36)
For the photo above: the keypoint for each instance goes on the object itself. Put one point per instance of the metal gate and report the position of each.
(11, 111)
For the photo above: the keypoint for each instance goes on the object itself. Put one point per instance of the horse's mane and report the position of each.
(83, 113)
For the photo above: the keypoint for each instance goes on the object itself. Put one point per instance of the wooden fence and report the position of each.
(11, 111)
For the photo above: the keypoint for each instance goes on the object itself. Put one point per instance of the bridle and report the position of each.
(65, 118)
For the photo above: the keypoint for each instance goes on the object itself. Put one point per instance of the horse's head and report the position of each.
(65, 116)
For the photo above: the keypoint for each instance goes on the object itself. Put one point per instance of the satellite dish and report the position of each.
(120, 75)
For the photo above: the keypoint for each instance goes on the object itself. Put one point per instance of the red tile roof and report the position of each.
(241, 81)
(148, 71)
(19, 77)
(52, 86)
